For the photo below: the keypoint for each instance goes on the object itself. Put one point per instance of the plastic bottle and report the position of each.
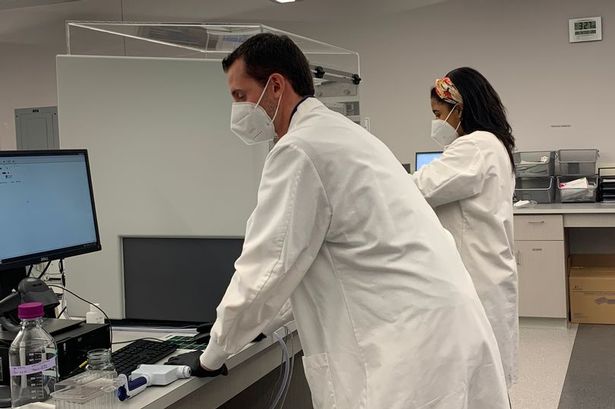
(32, 358)
(94, 316)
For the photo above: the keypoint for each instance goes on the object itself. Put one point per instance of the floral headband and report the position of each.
(447, 91)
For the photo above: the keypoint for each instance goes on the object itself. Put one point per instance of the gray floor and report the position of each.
(565, 366)
(545, 347)
(590, 381)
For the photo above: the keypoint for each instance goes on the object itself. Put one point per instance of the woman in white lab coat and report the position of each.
(471, 188)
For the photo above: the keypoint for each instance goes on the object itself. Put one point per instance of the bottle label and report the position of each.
(33, 368)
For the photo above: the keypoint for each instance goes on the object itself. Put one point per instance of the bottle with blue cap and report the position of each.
(32, 358)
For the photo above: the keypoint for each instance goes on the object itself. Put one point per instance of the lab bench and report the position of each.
(246, 369)
(545, 235)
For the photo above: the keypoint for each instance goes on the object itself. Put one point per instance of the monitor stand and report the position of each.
(9, 281)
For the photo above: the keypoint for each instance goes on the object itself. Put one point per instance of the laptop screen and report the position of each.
(423, 158)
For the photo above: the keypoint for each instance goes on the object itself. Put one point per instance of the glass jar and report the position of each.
(99, 361)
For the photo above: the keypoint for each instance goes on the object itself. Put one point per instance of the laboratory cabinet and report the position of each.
(540, 252)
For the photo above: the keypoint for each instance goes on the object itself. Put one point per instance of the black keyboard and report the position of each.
(197, 342)
(141, 351)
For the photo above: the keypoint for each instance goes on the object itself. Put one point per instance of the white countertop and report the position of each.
(568, 208)
(218, 389)
(158, 397)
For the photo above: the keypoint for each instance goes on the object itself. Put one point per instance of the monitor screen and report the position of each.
(177, 278)
(423, 158)
(46, 207)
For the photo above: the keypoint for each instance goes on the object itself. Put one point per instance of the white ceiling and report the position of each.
(42, 24)
(316, 11)
(15, 4)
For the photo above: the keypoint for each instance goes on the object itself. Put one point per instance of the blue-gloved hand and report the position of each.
(193, 361)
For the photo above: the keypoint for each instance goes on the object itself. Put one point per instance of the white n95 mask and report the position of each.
(251, 123)
(442, 132)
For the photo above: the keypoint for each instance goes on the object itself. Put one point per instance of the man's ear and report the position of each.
(278, 83)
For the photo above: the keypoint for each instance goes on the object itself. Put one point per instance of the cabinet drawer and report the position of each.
(542, 279)
(539, 227)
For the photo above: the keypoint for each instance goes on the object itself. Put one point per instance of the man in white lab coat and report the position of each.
(386, 312)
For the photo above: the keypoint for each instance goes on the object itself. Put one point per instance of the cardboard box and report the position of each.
(592, 288)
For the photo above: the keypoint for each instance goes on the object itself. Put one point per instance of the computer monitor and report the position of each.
(46, 207)
(172, 280)
(423, 158)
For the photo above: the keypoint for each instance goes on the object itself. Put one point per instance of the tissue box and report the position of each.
(577, 195)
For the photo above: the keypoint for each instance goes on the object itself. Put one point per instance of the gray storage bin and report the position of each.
(577, 162)
(534, 164)
(577, 195)
(541, 190)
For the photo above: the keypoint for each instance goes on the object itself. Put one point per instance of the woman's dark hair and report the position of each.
(482, 107)
(265, 54)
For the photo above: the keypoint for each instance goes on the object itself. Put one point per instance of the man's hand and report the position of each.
(192, 360)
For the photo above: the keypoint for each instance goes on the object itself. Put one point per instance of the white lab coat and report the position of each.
(471, 188)
(387, 314)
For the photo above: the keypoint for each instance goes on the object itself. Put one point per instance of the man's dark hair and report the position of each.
(265, 54)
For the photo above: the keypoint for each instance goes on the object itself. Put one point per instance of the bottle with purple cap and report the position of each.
(32, 358)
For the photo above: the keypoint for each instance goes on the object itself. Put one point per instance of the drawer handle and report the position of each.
(540, 222)
(536, 249)
(518, 257)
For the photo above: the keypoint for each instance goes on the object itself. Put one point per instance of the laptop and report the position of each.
(423, 158)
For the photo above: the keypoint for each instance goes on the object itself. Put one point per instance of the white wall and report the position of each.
(521, 46)
(27, 78)
(30, 39)
(163, 159)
